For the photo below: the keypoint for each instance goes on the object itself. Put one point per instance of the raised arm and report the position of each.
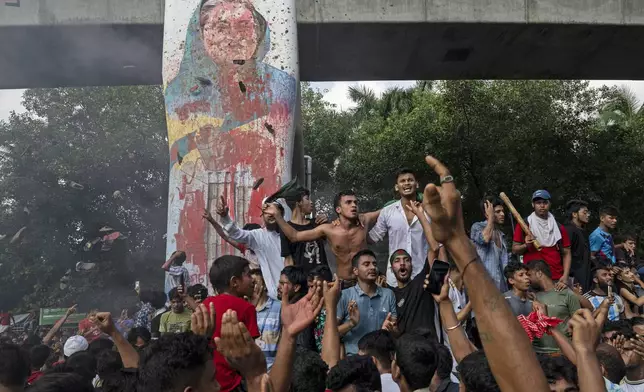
(370, 218)
(514, 365)
(488, 231)
(128, 354)
(331, 338)
(234, 232)
(58, 325)
(173, 256)
(434, 247)
(458, 341)
(220, 230)
(292, 234)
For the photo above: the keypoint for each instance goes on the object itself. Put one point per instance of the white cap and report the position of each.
(75, 344)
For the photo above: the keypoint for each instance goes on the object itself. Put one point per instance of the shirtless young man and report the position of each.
(346, 238)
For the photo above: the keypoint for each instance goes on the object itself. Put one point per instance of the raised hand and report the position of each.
(416, 208)
(71, 310)
(489, 210)
(381, 281)
(331, 292)
(296, 317)
(444, 294)
(222, 207)
(585, 331)
(271, 209)
(354, 313)
(202, 320)
(321, 218)
(443, 204)
(239, 348)
(389, 324)
(207, 216)
(104, 321)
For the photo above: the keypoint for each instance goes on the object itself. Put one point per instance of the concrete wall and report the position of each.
(49, 43)
(75, 12)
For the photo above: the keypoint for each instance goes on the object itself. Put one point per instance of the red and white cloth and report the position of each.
(537, 324)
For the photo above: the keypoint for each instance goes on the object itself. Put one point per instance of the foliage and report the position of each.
(107, 140)
(511, 136)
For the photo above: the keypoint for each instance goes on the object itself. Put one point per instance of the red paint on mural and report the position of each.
(192, 228)
(184, 111)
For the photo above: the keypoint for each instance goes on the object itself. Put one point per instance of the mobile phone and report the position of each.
(137, 286)
(610, 291)
(440, 269)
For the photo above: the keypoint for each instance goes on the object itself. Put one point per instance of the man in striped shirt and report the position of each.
(268, 318)
(602, 279)
(490, 240)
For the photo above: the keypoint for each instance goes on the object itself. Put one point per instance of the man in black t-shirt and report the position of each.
(578, 216)
(414, 304)
(307, 255)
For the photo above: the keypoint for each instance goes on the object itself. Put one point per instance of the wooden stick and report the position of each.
(517, 216)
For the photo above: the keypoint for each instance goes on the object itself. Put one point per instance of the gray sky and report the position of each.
(334, 92)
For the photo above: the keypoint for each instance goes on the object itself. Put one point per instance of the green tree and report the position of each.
(110, 141)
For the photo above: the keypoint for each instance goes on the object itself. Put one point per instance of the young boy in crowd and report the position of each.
(230, 277)
(178, 320)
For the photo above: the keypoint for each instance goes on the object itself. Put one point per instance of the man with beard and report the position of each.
(294, 285)
(553, 238)
(364, 307)
(264, 242)
(561, 304)
(601, 240)
(347, 236)
(489, 240)
(578, 216)
(603, 279)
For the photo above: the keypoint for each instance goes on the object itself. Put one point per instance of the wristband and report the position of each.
(454, 327)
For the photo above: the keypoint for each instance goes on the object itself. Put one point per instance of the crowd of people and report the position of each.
(552, 311)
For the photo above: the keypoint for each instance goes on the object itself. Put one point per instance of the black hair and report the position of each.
(251, 226)
(108, 362)
(380, 345)
(475, 373)
(179, 260)
(138, 332)
(539, 266)
(198, 291)
(100, 344)
(573, 206)
(356, 370)
(62, 382)
(158, 299)
(558, 368)
(174, 294)
(173, 362)
(123, 380)
(297, 197)
(612, 362)
(338, 197)
(404, 170)
(492, 199)
(511, 268)
(636, 321)
(39, 355)
(225, 268)
(321, 271)
(622, 327)
(608, 210)
(625, 237)
(295, 274)
(355, 261)
(83, 363)
(416, 357)
(309, 371)
(444, 361)
(14, 365)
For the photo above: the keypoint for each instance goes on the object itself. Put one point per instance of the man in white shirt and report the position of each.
(402, 226)
(264, 242)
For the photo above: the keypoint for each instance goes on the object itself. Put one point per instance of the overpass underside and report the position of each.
(130, 54)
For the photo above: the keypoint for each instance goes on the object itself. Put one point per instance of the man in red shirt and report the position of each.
(230, 276)
(551, 236)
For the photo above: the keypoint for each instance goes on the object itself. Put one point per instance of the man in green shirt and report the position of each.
(561, 304)
(178, 319)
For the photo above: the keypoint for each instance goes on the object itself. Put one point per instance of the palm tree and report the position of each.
(622, 109)
(365, 100)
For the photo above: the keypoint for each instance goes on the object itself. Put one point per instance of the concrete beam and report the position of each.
(48, 43)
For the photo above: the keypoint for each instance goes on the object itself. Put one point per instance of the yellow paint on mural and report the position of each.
(178, 129)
